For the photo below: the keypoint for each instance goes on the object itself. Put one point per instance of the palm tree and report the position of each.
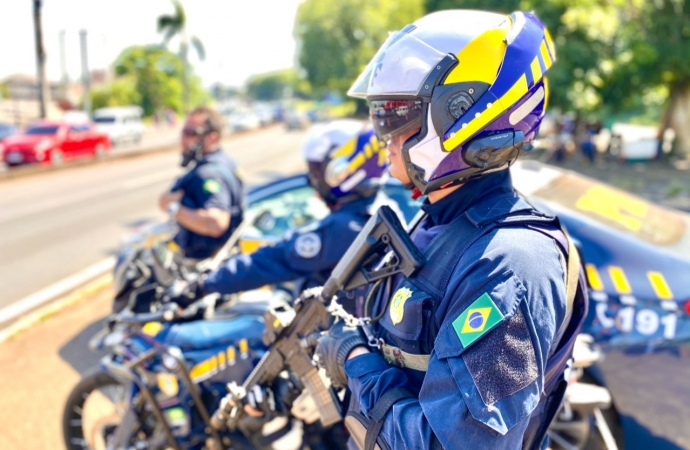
(176, 25)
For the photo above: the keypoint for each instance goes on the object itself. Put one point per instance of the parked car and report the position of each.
(637, 261)
(6, 130)
(242, 119)
(54, 142)
(120, 123)
(295, 120)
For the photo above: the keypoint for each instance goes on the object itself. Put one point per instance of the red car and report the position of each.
(54, 142)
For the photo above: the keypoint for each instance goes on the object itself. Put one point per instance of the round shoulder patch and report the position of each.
(211, 186)
(308, 245)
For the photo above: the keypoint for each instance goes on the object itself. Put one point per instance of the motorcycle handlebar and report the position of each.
(164, 315)
(168, 313)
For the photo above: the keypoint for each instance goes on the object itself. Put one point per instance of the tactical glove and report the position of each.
(185, 293)
(333, 349)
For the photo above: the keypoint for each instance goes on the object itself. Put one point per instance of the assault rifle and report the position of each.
(383, 236)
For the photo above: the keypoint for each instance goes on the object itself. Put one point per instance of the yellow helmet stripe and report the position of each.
(536, 70)
(347, 149)
(481, 59)
(549, 44)
(545, 55)
(501, 105)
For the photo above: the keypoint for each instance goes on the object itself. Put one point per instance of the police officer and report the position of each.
(345, 164)
(472, 348)
(207, 201)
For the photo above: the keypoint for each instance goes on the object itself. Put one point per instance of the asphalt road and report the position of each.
(55, 224)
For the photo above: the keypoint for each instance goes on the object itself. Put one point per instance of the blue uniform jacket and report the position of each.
(211, 183)
(311, 251)
(481, 385)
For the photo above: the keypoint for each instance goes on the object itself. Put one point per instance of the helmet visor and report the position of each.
(394, 117)
(400, 67)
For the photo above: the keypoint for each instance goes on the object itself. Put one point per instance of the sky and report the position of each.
(241, 37)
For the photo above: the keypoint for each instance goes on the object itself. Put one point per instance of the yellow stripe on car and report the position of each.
(620, 281)
(661, 288)
(501, 105)
(593, 277)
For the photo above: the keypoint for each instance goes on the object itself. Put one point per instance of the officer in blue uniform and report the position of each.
(472, 349)
(206, 202)
(346, 162)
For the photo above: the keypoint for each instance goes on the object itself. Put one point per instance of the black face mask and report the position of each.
(194, 153)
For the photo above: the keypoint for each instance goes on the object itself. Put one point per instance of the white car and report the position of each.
(121, 123)
(241, 120)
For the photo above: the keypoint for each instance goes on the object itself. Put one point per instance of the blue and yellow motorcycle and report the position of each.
(167, 369)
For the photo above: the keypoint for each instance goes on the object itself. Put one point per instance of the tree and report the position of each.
(337, 39)
(615, 57)
(176, 25)
(275, 85)
(121, 92)
(43, 92)
(156, 74)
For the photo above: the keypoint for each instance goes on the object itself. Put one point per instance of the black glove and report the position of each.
(277, 399)
(185, 293)
(334, 347)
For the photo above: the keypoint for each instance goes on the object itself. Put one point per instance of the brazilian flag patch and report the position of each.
(480, 317)
(211, 186)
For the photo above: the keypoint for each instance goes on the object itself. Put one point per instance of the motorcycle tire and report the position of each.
(72, 417)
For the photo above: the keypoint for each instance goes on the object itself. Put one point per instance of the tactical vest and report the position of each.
(407, 348)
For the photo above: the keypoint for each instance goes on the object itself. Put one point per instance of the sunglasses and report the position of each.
(192, 132)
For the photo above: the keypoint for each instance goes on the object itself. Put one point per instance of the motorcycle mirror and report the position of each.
(264, 221)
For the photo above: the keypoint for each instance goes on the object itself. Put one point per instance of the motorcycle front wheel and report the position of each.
(93, 411)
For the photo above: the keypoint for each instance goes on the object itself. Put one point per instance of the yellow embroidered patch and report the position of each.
(397, 309)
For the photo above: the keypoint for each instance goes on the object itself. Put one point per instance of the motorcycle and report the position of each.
(167, 370)
(585, 420)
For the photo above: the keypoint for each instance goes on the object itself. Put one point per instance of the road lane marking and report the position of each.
(56, 290)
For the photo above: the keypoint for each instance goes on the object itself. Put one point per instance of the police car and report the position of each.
(637, 262)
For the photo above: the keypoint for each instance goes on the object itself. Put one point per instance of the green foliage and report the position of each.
(156, 74)
(613, 56)
(339, 38)
(176, 25)
(276, 85)
(121, 92)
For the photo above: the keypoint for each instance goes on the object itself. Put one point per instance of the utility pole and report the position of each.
(86, 76)
(43, 93)
(63, 65)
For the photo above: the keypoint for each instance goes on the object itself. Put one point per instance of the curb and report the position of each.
(76, 296)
